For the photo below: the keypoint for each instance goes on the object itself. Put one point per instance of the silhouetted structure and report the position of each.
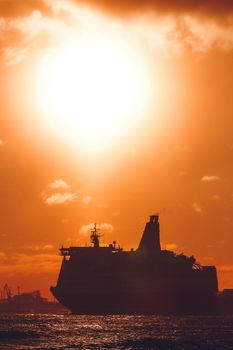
(225, 299)
(31, 302)
(108, 280)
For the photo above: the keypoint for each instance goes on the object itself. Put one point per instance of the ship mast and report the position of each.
(95, 236)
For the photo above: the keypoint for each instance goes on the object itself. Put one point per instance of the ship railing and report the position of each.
(197, 266)
(65, 251)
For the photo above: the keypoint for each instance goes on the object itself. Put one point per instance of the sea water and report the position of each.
(115, 332)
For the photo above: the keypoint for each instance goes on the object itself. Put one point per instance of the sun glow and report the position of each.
(93, 89)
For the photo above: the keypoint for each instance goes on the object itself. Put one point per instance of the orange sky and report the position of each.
(177, 158)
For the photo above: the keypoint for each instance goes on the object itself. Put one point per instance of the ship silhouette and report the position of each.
(108, 280)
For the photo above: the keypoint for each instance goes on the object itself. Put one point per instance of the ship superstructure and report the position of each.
(109, 280)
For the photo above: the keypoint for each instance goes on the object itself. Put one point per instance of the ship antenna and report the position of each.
(95, 236)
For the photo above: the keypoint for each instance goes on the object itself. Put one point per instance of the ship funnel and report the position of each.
(150, 241)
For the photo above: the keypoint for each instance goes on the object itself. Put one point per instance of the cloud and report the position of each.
(2, 255)
(210, 178)
(209, 7)
(208, 259)
(225, 268)
(87, 199)
(61, 198)
(215, 197)
(17, 8)
(48, 246)
(14, 55)
(197, 207)
(105, 226)
(171, 246)
(205, 34)
(39, 247)
(221, 241)
(85, 229)
(182, 173)
(36, 23)
(171, 28)
(59, 184)
(26, 263)
(28, 34)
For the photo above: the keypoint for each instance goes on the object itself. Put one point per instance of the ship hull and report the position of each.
(160, 303)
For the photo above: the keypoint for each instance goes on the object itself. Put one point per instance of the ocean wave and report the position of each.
(170, 344)
(16, 334)
(40, 332)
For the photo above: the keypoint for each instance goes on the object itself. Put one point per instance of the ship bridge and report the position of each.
(94, 249)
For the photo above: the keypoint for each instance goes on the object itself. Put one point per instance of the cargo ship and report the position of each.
(107, 280)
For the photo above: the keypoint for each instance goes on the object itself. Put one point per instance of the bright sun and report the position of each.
(92, 90)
